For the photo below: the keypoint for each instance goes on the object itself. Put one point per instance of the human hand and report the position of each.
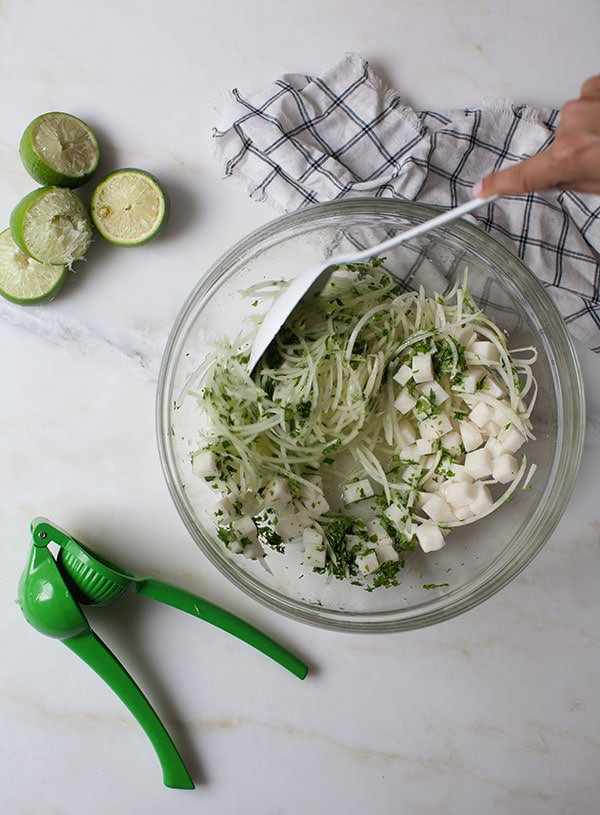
(572, 162)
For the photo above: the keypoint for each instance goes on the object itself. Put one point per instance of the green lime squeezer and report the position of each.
(54, 586)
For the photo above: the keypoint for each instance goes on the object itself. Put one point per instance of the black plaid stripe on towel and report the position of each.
(305, 140)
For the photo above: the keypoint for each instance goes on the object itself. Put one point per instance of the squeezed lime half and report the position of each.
(129, 207)
(58, 149)
(25, 281)
(52, 225)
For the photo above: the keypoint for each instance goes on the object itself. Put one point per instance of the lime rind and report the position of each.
(58, 149)
(129, 207)
(25, 281)
(52, 225)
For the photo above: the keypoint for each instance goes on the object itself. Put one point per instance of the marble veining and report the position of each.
(493, 712)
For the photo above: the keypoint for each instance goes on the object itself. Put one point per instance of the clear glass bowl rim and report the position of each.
(572, 410)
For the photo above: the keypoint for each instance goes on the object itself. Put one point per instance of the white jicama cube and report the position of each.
(411, 474)
(367, 562)
(223, 508)
(511, 439)
(478, 463)
(434, 388)
(315, 502)
(493, 388)
(470, 380)
(376, 530)
(465, 335)
(459, 493)
(459, 473)
(403, 375)
(452, 442)
(505, 468)
(425, 447)
(491, 429)
(290, 524)
(356, 491)
(462, 513)
(313, 547)
(395, 514)
(386, 553)
(245, 527)
(277, 493)
(435, 426)
(495, 446)
(483, 350)
(204, 464)
(470, 435)
(500, 414)
(437, 509)
(422, 367)
(430, 537)
(410, 453)
(481, 414)
(483, 500)
(404, 401)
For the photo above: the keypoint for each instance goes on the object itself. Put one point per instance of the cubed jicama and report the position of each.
(356, 491)
(405, 401)
(314, 548)
(511, 439)
(422, 367)
(377, 533)
(435, 426)
(277, 493)
(469, 380)
(395, 514)
(483, 351)
(434, 391)
(470, 435)
(505, 468)
(437, 509)
(481, 414)
(458, 493)
(367, 562)
(386, 553)
(245, 527)
(403, 375)
(204, 464)
(478, 463)
(430, 537)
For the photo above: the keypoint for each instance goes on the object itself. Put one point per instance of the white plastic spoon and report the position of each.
(313, 280)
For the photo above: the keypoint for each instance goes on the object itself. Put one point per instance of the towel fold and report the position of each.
(305, 140)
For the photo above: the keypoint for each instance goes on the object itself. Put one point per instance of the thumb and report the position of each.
(535, 173)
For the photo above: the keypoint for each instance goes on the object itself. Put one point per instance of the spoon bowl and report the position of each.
(312, 281)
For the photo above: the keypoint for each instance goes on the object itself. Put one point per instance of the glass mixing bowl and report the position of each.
(478, 559)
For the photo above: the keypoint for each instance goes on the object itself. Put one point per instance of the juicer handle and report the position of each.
(210, 613)
(100, 658)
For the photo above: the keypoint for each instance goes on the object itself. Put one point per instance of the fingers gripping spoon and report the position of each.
(51, 590)
(313, 280)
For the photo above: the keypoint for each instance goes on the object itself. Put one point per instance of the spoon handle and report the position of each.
(210, 613)
(432, 223)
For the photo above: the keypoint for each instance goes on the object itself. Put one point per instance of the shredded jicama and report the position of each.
(417, 398)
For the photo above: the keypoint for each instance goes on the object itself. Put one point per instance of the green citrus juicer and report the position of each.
(51, 590)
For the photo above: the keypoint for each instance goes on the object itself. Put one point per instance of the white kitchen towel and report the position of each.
(305, 140)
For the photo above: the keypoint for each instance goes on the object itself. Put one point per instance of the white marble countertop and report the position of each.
(493, 712)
